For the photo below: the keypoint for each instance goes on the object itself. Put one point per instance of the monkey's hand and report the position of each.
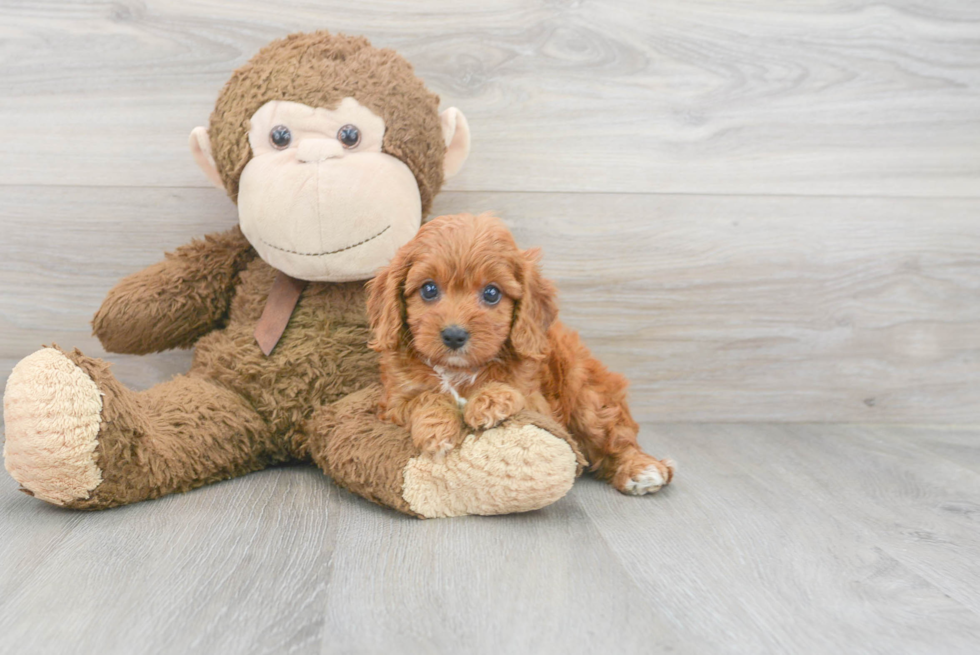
(493, 403)
(175, 302)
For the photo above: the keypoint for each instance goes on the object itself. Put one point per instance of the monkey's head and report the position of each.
(333, 151)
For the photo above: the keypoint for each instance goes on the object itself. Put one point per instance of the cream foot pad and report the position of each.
(51, 412)
(504, 470)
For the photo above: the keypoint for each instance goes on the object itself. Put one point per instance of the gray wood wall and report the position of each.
(758, 211)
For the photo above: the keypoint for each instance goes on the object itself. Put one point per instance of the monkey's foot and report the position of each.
(52, 411)
(517, 467)
(525, 463)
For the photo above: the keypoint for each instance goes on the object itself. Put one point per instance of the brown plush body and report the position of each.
(323, 207)
(236, 410)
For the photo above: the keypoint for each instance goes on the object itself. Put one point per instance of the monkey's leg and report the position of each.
(525, 463)
(76, 437)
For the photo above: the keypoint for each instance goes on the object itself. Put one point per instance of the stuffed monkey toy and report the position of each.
(333, 151)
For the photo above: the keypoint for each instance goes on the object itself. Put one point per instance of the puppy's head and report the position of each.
(461, 293)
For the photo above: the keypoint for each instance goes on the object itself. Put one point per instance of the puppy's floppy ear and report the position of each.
(535, 311)
(385, 304)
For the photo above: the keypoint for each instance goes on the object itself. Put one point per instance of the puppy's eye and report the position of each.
(281, 137)
(349, 136)
(429, 291)
(491, 294)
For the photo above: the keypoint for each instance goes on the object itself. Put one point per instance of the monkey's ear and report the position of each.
(456, 133)
(200, 144)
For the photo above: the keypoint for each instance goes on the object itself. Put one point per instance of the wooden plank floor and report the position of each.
(766, 214)
(776, 538)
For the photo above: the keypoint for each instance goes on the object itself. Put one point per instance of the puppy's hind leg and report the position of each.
(602, 425)
(591, 401)
(636, 473)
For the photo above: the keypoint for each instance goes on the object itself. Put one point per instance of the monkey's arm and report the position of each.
(175, 302)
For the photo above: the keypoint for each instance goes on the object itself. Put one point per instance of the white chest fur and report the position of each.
(450, 380)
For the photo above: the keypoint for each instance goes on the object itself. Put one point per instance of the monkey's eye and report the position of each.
(281, 137)
(491, 294)
(429, 291)
(349, 136)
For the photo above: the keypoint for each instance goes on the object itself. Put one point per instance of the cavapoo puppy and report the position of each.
(467, 331)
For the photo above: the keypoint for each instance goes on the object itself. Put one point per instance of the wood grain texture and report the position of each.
(716, 308)
(808, 527)
(236, 568)
(853, 97)
(501, 585)
(775, 538)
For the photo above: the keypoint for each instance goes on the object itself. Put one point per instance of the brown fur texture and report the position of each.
(180, 299)
(176, 436)
(319, 69)
(371, 464)
(518, 355)
(236, 410)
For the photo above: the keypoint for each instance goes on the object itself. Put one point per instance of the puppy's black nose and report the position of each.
(455, 337)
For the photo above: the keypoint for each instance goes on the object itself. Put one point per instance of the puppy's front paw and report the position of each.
(491, 405)
(436, 435)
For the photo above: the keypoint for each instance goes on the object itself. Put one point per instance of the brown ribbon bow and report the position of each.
(283, 297)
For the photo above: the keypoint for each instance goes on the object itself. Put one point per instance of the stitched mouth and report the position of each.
(328, 252)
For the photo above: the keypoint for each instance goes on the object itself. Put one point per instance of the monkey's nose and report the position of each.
(455, 337)
(313, 150)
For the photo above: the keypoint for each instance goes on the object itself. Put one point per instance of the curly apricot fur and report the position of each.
(518, 354)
